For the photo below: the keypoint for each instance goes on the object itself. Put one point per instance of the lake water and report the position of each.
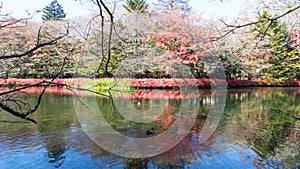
(258, 128)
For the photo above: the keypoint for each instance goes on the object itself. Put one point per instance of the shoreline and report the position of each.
(160, 83)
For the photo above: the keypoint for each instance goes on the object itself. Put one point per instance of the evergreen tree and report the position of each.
(53, 11)
(171, 4)
(138, 6)
(283, 57)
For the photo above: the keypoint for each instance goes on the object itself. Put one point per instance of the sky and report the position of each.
(208, 8)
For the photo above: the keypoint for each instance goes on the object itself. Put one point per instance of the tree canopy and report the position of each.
(138, 6)
(283, 57)
(53, 11)
(183, 5)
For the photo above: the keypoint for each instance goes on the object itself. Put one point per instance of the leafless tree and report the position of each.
(9, 96)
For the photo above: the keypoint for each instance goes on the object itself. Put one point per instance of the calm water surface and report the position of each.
(260, 128)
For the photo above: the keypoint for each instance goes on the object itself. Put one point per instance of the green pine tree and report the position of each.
(170, 4)
(137, 6)
(53, 11)
(284, 58)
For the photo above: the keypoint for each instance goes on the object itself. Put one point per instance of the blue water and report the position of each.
(249, 135)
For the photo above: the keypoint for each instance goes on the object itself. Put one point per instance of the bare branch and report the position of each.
(101, 5)
(12, 22)
(25, 115)
(36, 47)
(236, 27)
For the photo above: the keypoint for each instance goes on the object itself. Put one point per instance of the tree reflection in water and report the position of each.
(257, 130)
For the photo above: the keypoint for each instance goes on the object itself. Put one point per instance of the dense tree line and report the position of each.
(163, 35)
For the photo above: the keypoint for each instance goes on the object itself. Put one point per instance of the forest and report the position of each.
(256, 45)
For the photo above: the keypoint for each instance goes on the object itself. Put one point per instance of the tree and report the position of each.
(184, 41)
(275, 41)
(53, 11)
(247, 49)
(158, 41)
(43, 62)
(138, 6)
(183, 5)
(18, 43)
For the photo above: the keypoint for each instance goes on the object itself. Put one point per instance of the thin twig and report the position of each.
(30, 111)
(36, 47)
(236, 27)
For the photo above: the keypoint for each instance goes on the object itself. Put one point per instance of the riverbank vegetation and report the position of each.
(107, 83)
(264, 49)
(160, 45)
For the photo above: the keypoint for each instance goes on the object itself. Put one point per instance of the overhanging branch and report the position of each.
(36, 47)
(25, 115)
(236, 27)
